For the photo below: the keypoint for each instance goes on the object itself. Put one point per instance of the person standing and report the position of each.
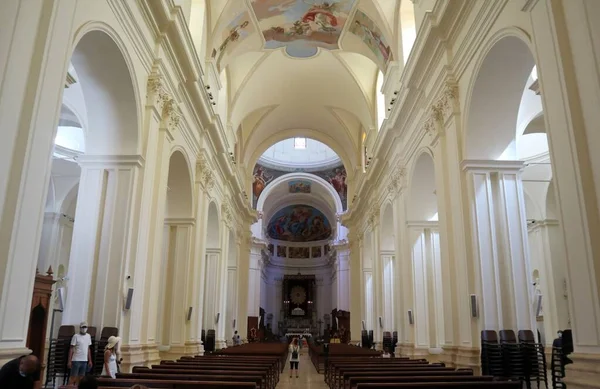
(294, 357)
(80, 355)
(110, 357)
(236, 339)
(21, 373)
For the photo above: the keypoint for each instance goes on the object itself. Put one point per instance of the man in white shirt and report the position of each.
(80, 355)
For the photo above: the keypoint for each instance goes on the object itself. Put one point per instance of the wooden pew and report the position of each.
(258, 380)
(269, 370)
(444, 385)
(337, 371)
(174, 384)
(264, 371)
(354, 381)
(349, 377)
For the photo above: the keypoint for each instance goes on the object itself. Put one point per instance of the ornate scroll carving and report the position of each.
(204, 174)
(396, 182)
(171, 115)
(156, 93)
(441, 110)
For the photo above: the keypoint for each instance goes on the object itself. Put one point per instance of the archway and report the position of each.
(426, 256)
(387, 248)
(104, 98)
(176, 249)
(212, 258)
(493, 105)
(231, 316)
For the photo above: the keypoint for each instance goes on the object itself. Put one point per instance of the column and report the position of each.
(569, 84)
(378, 287)
(355, 277)
(254, 280)
(404, 280)
(232, 293)
(547, 256)
(174, 314)
(243, 283)
(343, 289)
(28, 80)
(210, 289)
(387, 260)
(500, 243)
(50, 241)
(99, 253)
(420, 306)
(220, 341)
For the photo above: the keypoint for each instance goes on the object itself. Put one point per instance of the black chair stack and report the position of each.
(364, 339)
(387, 341)
(209, 345)
(394, 339)
(491, 354)
(512, 356)
(534, 358)
(58, 355)
(371, 339)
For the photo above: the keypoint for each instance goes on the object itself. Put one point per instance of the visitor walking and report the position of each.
(110, 357)
(294, 357)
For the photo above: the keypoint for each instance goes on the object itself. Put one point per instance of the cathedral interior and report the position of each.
(177, 169)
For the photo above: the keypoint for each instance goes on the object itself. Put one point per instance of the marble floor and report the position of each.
(307, 376)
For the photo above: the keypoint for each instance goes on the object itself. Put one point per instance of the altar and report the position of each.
(299, 314)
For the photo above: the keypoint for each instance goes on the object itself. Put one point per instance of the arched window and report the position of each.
(408, 27)
(380, 100)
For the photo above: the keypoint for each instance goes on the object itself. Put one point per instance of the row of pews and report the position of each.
(360, 372)
(231, 369)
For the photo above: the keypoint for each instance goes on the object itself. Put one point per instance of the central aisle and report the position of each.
(307, 375)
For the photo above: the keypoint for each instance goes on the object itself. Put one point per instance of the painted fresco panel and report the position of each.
(299, 186)
(302, 26)
(299, 223)
(233, 34)
(300, 252)
(363, 27)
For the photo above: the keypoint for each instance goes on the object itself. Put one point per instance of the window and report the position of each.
(300, 143)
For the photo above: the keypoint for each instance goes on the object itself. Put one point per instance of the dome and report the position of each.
(299, 154)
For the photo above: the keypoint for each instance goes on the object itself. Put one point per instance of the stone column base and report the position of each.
(139, 355)
(468, 358)
(8, 354)
(220, 344)
(584, 372)
(404, 349)
(175, 352)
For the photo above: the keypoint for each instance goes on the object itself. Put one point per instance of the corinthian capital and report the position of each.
(156, 93)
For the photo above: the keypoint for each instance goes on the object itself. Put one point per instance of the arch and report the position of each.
(213, 227)
(380, 99)
(292, 176)
(388, 233)
(422, 199)
(407, 28)
(494, 96)
(551, 201)
(179, 202)
(307, 133)
(107, 80)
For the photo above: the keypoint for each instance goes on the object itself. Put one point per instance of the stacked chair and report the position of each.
(387, 341)
(58, 355)
(209, 345)
(506, 357)
(491, 354)
(535, 358)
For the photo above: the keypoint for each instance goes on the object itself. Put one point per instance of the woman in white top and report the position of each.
(294, 356)
(386, 353)
(110, 357)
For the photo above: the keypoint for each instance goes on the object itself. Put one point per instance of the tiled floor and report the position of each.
(307, 376)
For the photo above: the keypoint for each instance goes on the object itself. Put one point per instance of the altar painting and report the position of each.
(316, 252)
(299, 252)
(299, 223)
(282, 251)
(302, 26)
(299, 186)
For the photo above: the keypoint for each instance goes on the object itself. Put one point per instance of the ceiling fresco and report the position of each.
(367, 30)
(299, 223)
(336, 177)
(234, 33)
(302, 26)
